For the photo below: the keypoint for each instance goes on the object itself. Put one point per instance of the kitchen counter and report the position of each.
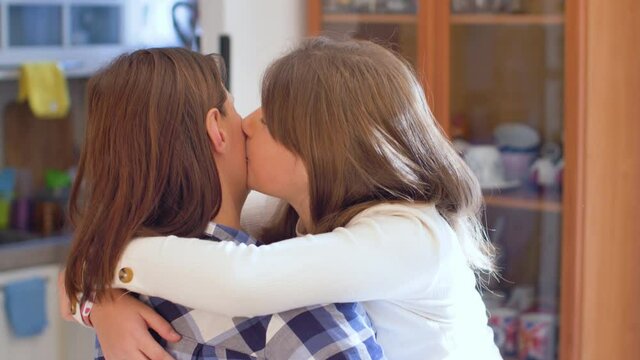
(34, 252)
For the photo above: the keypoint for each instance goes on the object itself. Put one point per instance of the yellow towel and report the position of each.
(43, 84)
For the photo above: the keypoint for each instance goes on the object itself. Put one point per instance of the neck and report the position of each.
(230, 207)
(302, 206)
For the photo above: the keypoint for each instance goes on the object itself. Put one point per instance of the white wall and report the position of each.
(260, 32)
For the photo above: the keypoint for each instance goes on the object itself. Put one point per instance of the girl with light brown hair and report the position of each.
(386, 211)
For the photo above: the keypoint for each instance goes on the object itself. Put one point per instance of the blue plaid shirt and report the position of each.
(335, 331)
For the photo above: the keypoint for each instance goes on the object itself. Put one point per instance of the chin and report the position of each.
(250, 184)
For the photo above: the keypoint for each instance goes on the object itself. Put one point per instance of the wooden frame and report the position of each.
(433, 56)
(314, 17)
(608, 109)
(574, 214)
(543, 19)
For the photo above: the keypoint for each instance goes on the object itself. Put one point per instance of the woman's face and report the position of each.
(271, 168)
(233, 128)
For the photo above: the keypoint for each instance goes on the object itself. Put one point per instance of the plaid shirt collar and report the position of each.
(336, 331)
(219, 232)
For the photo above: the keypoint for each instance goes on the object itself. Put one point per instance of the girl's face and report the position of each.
(271, 168)
(232, 126)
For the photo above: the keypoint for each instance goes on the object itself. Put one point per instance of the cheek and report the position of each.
(258, 169)
(253, 176)
(240, 148)
(270, 170)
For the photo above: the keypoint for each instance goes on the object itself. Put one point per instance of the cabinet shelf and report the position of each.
(548, 205)
(370, 18)
(507, 19)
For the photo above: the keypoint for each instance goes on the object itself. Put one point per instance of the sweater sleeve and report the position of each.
(374, 258)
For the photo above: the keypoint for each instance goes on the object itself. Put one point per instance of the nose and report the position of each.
(250, 122)
(246, 126)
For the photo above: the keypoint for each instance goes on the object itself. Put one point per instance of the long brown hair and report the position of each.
(357, 116)
(146, 167)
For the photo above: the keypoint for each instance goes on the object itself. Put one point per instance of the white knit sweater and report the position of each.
(403, 262)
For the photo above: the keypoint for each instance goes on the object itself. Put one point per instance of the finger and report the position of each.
(135, 355)
(152, 350)
(141, 356)
(160, 325)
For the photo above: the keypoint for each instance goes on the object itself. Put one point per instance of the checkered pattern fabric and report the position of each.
(335, 331)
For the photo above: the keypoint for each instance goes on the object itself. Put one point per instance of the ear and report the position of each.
(215, 131)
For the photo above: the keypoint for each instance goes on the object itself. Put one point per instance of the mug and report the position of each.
(537, 336)
(517, 164)
(545, 173)
(486, 163)
(504, 323)
(522, 297)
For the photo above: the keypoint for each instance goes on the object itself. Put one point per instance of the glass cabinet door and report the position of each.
(497, 69)
(391, 23)
(506, 106)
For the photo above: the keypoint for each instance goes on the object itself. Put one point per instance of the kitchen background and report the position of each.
(506, 79)
(39, 147)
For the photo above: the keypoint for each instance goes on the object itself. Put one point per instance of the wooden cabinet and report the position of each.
(568, 70)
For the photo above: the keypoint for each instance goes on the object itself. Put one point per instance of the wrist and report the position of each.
(85, 312)
(80, 311)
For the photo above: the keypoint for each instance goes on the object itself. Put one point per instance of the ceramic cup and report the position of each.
(537, 336)
(504, 323)
(522, 297)
(486, 163)
(517, 164)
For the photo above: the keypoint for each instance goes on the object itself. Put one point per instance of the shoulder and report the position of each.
(417, 225)
(403, 216)
(400, 209)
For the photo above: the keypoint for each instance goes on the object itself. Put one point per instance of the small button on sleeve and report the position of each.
(125, 275)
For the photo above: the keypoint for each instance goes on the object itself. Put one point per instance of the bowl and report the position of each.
(517, 137)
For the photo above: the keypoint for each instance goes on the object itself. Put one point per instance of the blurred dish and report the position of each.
(502, 185)
(517, 163)
(462, 6)
(490, 6)
(486, 164)
(516, 136)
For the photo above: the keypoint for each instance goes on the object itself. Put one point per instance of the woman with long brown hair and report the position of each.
(164, 154)
(346, 138)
